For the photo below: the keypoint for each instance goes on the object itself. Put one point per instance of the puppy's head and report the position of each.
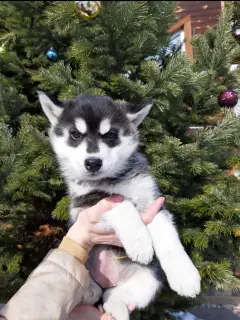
(93, 136)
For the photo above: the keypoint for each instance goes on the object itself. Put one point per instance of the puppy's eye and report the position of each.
(76, 134)
(111, 135)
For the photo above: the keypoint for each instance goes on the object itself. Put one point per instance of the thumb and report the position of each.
(151, 212)
(105, 205)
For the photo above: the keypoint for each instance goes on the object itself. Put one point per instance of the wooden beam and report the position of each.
(188, 35)
(179, 24)
(185, 25)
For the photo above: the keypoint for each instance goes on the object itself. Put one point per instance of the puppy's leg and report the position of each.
(182, 275)
(126, 222)
(139, 290)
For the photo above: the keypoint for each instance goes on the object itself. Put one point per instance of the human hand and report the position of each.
(86, 312)
(88, 231)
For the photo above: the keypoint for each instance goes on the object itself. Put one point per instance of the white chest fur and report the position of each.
(140, 190)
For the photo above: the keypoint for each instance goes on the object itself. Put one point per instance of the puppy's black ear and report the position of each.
(50, 108)
(137, 113)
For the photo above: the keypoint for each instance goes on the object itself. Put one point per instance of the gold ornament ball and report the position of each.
(89, 9)
(237, 233)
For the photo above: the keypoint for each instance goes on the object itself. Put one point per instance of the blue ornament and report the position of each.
(52, 54)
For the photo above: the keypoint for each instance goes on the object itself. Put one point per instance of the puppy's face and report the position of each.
(92, 136)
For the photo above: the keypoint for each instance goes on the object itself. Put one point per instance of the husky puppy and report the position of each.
(96, 140)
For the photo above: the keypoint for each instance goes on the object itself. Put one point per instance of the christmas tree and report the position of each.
(123, 51)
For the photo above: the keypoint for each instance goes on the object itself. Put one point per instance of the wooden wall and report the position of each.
(203, 14)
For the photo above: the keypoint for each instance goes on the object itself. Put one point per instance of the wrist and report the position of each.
(81, 238)
(74, 249)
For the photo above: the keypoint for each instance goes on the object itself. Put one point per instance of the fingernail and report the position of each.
(116, 198)
(106, 316)
(131, 307)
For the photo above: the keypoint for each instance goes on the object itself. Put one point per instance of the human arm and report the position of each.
(57, 285)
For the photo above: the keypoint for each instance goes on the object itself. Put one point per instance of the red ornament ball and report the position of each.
(228, 98)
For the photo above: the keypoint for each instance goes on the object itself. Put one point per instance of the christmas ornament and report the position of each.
(52, 54)
(236, 31)
(89, 9)
(237, 234)
(228, 98)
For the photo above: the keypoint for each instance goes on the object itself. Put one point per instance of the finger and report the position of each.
(110, 239)
(106, 317)
(117, 243)
(105, 205)
(151, 212)
(87, 312)
(100, 228)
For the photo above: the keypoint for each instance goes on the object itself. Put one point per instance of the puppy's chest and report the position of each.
(140, 190)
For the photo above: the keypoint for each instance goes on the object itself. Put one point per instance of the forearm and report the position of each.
(53, 289)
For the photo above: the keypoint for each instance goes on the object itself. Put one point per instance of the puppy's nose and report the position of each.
(93, 164)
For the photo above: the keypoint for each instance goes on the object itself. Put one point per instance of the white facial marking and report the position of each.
(81, 125)
(71, 159)
(105, 126)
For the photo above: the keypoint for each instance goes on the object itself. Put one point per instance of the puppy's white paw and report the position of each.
(132, 232)
(183, 277)
(138, 246)
(93, 294)
(113, 303)
(118, 310)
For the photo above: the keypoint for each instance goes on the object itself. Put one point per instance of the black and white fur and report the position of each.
(99, 128)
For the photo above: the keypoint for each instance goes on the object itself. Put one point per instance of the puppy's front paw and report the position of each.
(133, 233)
(93, 294)
(183, 277)
(139, 247)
